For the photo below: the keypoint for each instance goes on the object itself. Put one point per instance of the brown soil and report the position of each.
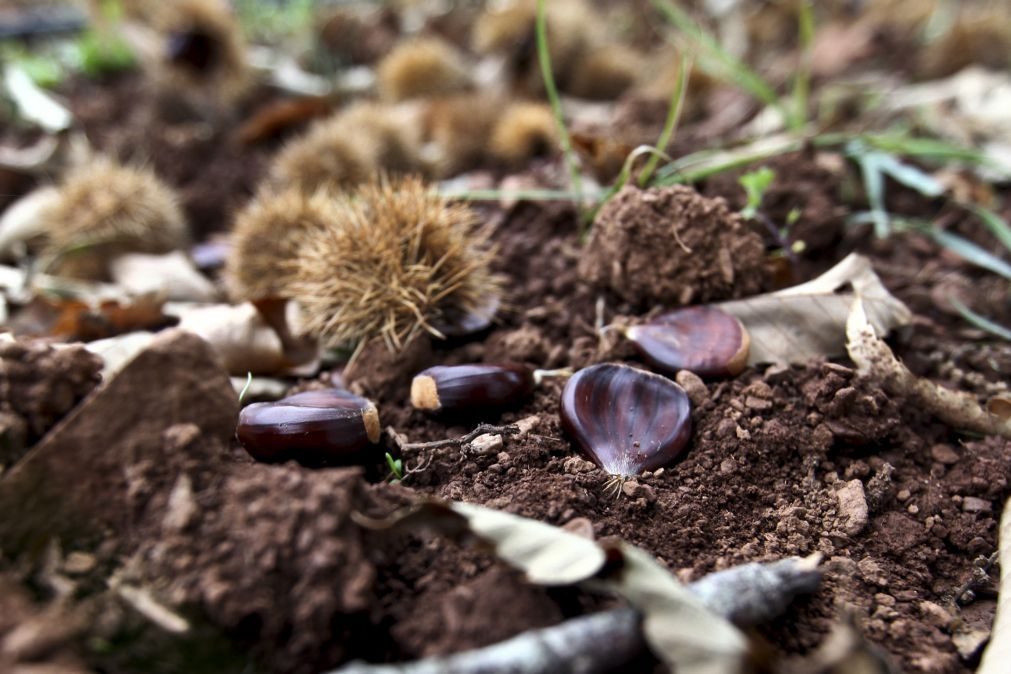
(781, 461)
(711, 256)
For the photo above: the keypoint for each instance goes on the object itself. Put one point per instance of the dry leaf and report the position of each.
(806, 321)
(998, 654)
(81, 320)
(680, 630)
(875, 360)
(845, 651)
(240, 336)
(275, 118)
(118, 351)
(677, 625)
(172, 275)
(24, 219)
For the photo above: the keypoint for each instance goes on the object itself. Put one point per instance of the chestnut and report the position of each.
(463, 387)
(703, 339)
(624, 419)
(327, 426)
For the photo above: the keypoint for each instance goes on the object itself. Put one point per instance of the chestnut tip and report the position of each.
(370, 418)
(425, 393)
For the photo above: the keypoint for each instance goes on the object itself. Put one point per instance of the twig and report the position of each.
(966, 594)
(482, 429)
(601, 642)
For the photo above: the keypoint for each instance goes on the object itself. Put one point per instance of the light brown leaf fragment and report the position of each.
(875, 360)
(807, 321)
(998, 653)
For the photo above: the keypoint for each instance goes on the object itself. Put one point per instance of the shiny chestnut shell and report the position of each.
(327, 426)
(704, 340)
(624, 419)
(470, 387)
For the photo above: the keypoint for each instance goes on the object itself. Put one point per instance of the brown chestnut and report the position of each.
(704, 340)
(328, 426)
(624, 419)
(477, 386)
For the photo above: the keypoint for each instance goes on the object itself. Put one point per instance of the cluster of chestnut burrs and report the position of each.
(624, 419)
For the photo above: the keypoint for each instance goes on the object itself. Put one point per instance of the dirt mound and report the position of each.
(672, 246)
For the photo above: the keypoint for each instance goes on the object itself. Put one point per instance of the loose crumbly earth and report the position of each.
(784, 460)
(712, 254)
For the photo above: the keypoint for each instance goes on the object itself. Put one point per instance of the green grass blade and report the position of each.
(245, 389)
(994, 223)
(980, 321)
(802, 80)
(544, 57)
(909, 175)
(970, 252)
(726, 65)
(670, 125)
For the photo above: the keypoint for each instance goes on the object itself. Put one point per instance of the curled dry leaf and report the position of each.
(87, 320)
(678, 626)
(240, 336)
(172, 275)
(875, 359)
(998, 653)
(23, 220)
(680, 629)
(809, 320)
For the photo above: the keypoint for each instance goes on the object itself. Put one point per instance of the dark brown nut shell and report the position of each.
(328, 426)
(624, 419)
(471, 387)
(704, 340)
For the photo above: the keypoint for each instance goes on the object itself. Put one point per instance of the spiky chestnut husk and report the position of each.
(702, 339)
(624, 419)
(328, 426)
(509, 31)
(325, 157)
(477, 386)
(606, 72)
(203, 51)
(525, 131)
(106, 209)
(459, 127)
(350, 148)
(398, 261)
(268, 236)
(421, 68)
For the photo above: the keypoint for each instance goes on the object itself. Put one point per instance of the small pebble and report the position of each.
(488, 443)
(971, 504)
(944, 454)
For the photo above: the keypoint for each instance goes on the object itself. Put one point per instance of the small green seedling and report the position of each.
(396, 467)
(249, 380)
(755, 184)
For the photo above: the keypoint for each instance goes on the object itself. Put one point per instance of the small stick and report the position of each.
(482, 429)
(601, 642)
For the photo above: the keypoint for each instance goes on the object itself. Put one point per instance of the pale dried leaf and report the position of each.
(546, 554)
(34, 104)
(875, 360)
(118, 351)
(240, 336)
(25, 218)
(680, 630)
(677, 625)
(809, 320)
(172, 275)
(998, 653)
